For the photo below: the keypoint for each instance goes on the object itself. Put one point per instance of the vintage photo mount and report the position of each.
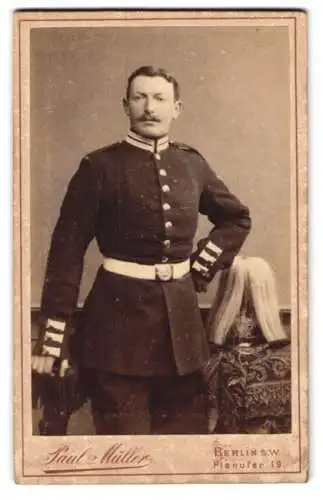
(161, 459)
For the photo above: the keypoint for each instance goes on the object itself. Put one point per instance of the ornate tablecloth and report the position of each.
(249, 389)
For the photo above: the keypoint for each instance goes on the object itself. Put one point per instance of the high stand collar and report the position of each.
(152, 145)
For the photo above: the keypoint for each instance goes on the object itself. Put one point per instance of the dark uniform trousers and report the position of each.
(147, 405)
(141, 343)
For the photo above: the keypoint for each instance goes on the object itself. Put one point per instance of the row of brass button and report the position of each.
(166, 206)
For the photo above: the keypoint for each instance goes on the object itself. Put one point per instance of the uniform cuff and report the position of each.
(54, 338)
(206, 259)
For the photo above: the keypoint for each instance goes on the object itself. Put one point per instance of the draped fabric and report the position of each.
(249, 388)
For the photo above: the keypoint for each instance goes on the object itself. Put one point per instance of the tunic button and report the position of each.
(165, 188)
(164, 260)
(162, 172)
(166, 243)
(168, 224)
(166, 206)
(157, 156)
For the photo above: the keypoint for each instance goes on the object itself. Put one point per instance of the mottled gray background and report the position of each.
(235, 88)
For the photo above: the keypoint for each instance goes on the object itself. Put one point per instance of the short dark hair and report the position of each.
(151, 71)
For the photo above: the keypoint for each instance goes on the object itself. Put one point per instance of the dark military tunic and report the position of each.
(140, 199)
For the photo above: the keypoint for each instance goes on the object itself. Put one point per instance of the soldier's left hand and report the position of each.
(63, 368)
(200, 284)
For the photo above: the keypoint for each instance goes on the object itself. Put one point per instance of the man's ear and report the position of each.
(125, 106)
(178, 109)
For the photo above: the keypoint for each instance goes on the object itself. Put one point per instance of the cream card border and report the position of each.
(160, 459)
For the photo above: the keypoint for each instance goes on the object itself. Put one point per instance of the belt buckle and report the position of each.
(164, 272)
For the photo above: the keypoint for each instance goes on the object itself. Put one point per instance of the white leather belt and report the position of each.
(158, 272)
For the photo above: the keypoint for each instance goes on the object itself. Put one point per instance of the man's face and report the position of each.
(151, 106)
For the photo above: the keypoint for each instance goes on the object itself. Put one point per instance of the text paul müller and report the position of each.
(117, 456)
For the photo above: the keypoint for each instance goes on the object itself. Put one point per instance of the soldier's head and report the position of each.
(152, 101)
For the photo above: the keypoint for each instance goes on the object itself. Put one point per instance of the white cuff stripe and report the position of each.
(56, 337)
(58, 325)
(206, 256)
(199, 267)
(214, 248)
(52, 351)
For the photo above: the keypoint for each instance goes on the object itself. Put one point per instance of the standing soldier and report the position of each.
(141, 342)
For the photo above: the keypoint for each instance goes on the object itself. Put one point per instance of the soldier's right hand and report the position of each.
(43, 364)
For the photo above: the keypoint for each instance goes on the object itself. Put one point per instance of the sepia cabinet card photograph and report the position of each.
(160, 246)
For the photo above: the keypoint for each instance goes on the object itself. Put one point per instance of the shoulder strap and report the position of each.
(185, 147)
(107, 148)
